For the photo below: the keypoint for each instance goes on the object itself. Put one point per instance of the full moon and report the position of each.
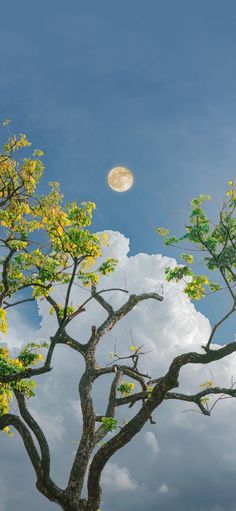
(120, 179)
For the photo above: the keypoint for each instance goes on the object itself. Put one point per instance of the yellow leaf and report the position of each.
(60, 230)
(3, 321)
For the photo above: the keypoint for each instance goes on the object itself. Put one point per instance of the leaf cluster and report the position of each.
(109, 424)
(29, 356)
(68, 252)
(126, 388)
(217, 241)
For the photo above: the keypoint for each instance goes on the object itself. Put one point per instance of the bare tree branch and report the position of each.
(80, 464)
(116, 316)
(34, 426)
(13, 420)
(53, 341)
(27, 373)
(69, 341)
(7, 305)
(111, 407)
(5, 266)
(128, 371)
(97, 296)
(199, 358)
(122, 438)
(191, 398)
(226, 316)
(160, 390)
(76, 264)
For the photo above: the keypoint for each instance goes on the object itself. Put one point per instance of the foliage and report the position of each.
(30, 265)
(126, 388)
(207, 385)
(216, 240)
(30, 355)
(3, 321)
(66, 227)
(109, 423)
(149, 390)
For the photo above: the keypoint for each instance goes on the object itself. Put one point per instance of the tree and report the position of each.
(44, 243)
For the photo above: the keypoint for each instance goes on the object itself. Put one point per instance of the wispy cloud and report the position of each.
(163, 488)
(151, 441)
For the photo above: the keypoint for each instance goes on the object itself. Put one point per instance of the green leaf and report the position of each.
(109, 423)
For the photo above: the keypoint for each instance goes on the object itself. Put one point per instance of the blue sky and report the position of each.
(149, 85)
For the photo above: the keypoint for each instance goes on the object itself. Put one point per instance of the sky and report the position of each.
(149, 85)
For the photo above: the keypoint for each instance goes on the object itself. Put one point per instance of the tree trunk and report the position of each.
(80, 505)
(77, 508)
(73, 508)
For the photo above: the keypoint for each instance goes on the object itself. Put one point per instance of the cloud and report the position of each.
(117, 478)
(151, 441)
(21, 330)
(163, 488)
(200, 445)
(52, 425)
